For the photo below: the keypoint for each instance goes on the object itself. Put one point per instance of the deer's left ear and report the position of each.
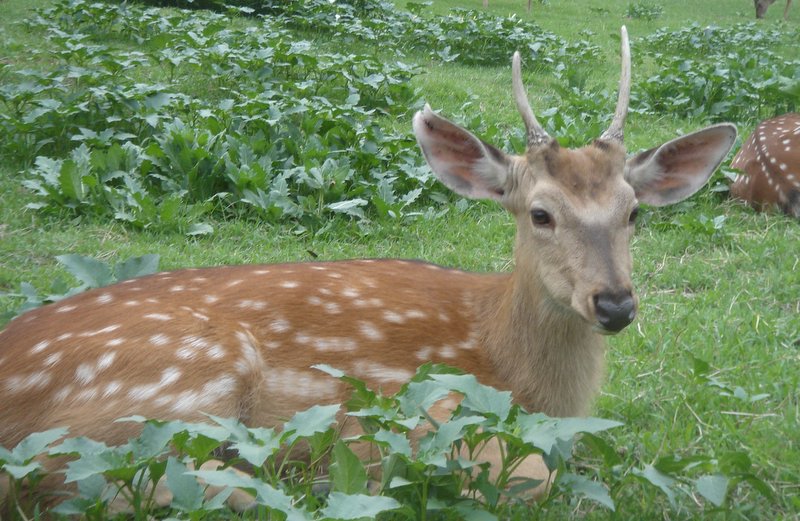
(467, 165)
(677, 169)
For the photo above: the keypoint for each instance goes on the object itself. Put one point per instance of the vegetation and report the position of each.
(211, 137)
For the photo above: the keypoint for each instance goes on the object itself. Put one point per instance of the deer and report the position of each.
(769, 162)
(763, 5)
(239, 341)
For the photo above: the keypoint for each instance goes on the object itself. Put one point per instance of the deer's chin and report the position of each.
(597, 328)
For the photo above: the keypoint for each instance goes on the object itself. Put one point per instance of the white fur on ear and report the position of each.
(464, 163)
(677, 169)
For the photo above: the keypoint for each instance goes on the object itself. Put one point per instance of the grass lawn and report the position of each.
(710, 367)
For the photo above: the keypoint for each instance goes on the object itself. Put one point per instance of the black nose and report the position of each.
(614, 311)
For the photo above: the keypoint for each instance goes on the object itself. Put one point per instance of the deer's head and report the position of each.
(575, 208)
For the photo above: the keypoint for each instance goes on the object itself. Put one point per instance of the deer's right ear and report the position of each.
(464, 163)
(677, 169)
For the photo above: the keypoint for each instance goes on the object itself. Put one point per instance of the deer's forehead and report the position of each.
(593, 173)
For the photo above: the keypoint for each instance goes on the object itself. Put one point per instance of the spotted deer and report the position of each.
(770, 165)
(239, 341)
(763, 5)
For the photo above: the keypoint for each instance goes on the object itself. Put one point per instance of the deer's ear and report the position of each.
(464, 163)
(677, 169)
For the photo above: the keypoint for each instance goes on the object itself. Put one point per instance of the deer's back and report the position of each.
(236, 341)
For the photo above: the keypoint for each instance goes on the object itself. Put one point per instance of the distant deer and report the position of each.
(763, 5)
(238, 341)
(770, 162)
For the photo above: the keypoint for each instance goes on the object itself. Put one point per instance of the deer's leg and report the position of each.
(786, 9)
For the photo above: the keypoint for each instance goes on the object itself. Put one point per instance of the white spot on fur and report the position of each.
(85, 374)
(163, 317)
(105, 298)
(159, 339)
(216, 351)
(336, 344)
(210, 299)
(304, 384)
(424, 353)
(393, 317)
(332, 308)
(101, 331)
(40, 346)
(279, 325)
(53, 359)
(447, 351)
(114, 342)
(105, 360)
(62, 394)
(382, 373)
(65, 308)
(36, 380)
(112, 388)
(233, 283)
(252, 304)
(415, 314)
(289, 284)
(369, 330)
(64, 336)
(132, 303)
(350, 293)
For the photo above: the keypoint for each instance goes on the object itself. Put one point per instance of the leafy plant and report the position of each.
(644, 11)
(90, 272)
(442, 474)
(719, 73)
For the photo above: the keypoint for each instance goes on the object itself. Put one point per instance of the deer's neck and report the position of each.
(550, 357)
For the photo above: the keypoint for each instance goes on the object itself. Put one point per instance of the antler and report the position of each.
(615, 131)
(536, 134)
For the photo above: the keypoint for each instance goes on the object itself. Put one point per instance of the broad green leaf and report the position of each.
(585, 487)
(256, 450)
(136, 267)
(544, 432)
(398, 443)
(436, 444)
(659, 480)
(91, 464)
(713, 487)
(187, 493)
(92, 272)
(357, 506)
(311, 421)
(347, 472)
(20, 471)
(34, 444)
(265, 494)
(420, 396)
(81, 446)
(477, 397)
(196, 229)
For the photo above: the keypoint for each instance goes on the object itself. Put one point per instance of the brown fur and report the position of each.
(770, 167)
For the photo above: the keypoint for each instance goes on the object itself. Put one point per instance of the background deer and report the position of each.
(770, 162)
(238, 341)
(763, 5)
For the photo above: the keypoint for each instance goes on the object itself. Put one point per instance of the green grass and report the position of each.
(731, 299)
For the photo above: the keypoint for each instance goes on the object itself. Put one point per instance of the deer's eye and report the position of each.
(634, 215)
(541, 218)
